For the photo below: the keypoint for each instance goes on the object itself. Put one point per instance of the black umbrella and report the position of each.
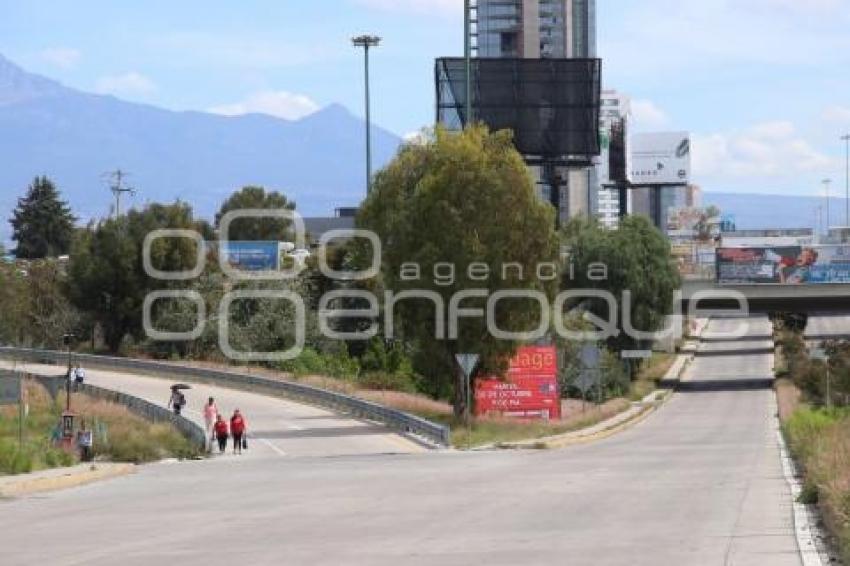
(178, 386)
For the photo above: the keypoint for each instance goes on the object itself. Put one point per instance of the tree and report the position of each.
(260, 229)
(107, 276)
(636, 257)
(42, 223)
(458, 200)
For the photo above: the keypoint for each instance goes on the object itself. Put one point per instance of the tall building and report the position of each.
(533, 29)
(615, 112)
(536, 28)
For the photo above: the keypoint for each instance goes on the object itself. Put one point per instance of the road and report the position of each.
(828, 327)
(277, 427)
(697, 483)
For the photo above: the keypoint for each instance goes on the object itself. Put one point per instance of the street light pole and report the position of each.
(367, 42)
(846, 140)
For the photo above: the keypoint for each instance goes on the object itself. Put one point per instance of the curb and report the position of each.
(805, 528)
(616, 424)
(61, 478)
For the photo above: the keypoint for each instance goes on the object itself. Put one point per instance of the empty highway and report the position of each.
(697, 483)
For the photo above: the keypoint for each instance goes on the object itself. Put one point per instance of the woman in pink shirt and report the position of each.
(210, 415)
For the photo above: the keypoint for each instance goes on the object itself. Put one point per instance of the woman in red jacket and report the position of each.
(221, 433)
(237, 430)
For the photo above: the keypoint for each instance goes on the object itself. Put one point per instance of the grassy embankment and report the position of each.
(819, 440)
(120, 436)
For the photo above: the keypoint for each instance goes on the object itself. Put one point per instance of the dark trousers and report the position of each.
(222, 443)
(237, 442)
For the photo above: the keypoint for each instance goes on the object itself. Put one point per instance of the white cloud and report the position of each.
(770, 149)
(837, 114)
(648, 116)
(61, 57)
(426, 7)
(126, 84)
(280, 103)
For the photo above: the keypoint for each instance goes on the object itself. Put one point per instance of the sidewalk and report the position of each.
(61, 478)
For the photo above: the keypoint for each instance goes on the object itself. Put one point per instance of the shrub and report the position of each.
(385, 381)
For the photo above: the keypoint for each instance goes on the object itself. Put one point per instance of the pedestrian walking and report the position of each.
(177, 401)
(79, 375)
(220, 430)
(238, 426)
(210, 414)
(85, 442)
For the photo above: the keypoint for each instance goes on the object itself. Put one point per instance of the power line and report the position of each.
(116, 185)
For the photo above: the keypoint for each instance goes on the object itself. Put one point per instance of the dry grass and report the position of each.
(128, 437)
(820, 441)
(495, 430)
(411, 403)
(788, 397)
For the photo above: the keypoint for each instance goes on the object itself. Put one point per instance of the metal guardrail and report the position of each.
(338, 402)
(145, 409)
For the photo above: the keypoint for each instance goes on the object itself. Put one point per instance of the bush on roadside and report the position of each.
(385, 381)
(820, 442)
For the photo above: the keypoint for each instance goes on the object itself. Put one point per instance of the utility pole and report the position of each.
(846, 140)
(367, 42)
(826, 184)
(116, 185)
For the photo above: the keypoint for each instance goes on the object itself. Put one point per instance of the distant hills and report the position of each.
(758, 212)
(75, 137)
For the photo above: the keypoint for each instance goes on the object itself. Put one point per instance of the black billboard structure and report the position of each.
(551, 105)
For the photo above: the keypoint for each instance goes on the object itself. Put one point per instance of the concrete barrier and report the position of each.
(338, 402)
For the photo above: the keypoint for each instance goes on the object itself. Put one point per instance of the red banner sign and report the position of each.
(529, 391)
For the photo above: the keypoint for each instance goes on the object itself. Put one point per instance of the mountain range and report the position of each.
(76, 137)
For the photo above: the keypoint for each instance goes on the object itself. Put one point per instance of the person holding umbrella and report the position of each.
(177, 400)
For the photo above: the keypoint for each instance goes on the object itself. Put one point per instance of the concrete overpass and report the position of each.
(809, 299)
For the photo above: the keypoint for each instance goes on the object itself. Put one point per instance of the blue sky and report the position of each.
(764, 85)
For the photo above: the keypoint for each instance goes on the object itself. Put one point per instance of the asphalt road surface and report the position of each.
(697, 483)
(828, 327)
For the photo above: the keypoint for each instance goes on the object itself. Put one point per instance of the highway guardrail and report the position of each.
(338, 402)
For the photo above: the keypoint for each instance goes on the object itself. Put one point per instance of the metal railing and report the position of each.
(337, 402)
(145, 409)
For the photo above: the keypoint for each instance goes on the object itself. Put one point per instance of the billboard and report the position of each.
(530, 389)
(551, 105)
(784, 265)
(660, 159)
(252, 256)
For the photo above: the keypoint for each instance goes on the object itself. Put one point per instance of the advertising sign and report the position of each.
(252, 256)
(784, 265)
(660, 159)
(529, 391)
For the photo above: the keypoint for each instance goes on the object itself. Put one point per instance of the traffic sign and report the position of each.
(467, 363)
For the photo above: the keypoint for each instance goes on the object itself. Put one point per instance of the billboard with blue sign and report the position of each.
(784, 265)
(252, 256)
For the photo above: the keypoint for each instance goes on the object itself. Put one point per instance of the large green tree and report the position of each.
(636, 257)
(107, 276)
(464, 200)
(42, 223)
(257, 229)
